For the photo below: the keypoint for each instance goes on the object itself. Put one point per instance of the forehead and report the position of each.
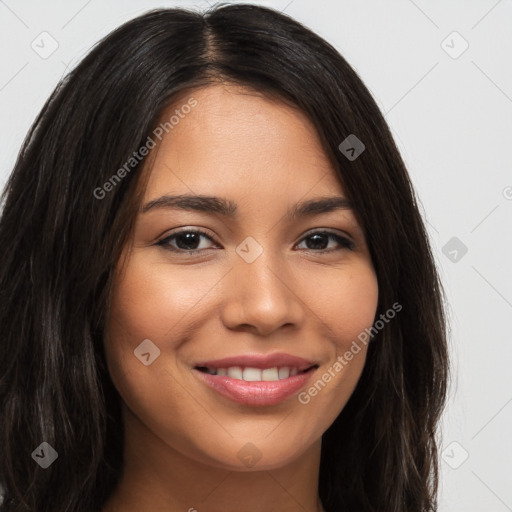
(233, 137)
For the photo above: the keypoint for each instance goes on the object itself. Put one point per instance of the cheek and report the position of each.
(349, 303)
(152, 302)
(146, 305)
(347, 308)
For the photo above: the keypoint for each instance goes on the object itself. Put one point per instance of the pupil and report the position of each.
(189, 239)
(316, 245)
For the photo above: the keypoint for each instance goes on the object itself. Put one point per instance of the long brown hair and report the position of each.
(60, 244)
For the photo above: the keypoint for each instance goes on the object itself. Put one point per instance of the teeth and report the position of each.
(270, 374)
(255, 374)
(252, 374)
(284, 372)
(235, 372)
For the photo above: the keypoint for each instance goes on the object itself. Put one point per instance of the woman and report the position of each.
(217, 291)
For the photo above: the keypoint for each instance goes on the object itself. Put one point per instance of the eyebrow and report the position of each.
(227, 208)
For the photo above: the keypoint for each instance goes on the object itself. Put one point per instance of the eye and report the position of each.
(188, 240)
(319, 241)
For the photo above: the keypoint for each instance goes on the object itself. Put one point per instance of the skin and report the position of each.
(182, 438)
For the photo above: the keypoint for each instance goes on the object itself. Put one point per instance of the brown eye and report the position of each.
(319, 241)
(187, 240)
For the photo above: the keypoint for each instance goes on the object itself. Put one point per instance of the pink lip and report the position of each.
(261, 392)
(256, 393)
(259, 361)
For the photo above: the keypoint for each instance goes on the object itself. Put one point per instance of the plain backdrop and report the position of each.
(441, 73)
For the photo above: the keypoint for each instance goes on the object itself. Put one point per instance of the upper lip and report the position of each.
(260, 361)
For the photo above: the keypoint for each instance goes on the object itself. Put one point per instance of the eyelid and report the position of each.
(329, 231)
(200, 231)
(344, 240)
(345, 237)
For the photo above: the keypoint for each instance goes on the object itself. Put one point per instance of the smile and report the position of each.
(257, 380)
(254, 374)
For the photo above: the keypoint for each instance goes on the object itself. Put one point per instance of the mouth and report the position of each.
(249, 374)
(258, 380)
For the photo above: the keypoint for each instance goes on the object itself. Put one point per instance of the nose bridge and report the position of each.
(259, 294)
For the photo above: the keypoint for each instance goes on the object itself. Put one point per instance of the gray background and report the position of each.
(451, 116)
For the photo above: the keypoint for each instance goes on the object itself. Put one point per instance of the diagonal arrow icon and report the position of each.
(351, 147)
(147, 352)
(249, 455)
(45, 455)
(249, 249)
(454, 249)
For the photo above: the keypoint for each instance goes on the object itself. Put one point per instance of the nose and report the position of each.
(261, 297)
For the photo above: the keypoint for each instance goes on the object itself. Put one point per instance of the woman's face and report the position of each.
(277, 291)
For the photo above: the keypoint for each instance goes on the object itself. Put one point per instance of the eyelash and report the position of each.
(344, 242)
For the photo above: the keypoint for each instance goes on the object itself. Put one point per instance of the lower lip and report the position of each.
(256, 393)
